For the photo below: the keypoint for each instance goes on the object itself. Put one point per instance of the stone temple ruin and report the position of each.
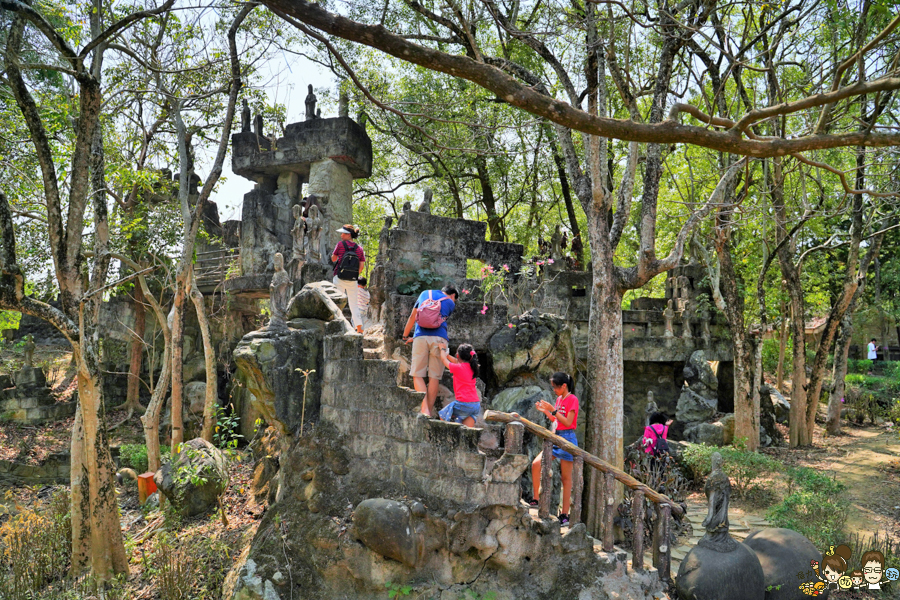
(365, 490)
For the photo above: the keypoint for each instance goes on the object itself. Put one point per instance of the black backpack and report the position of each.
(660, 447)
(348, 265)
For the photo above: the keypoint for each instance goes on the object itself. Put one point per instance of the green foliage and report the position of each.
(770, 350)
(416, 281)
(35, 546)
(134, 456)
(859, 366)
(225, 434)
(397, 590)
(743, 467)
(815, 506)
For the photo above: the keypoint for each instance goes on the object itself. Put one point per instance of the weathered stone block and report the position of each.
(30, 377)
(344, 347)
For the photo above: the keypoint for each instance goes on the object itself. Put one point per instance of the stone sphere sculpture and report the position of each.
(719, 567)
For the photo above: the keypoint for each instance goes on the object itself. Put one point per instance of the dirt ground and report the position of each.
(867, 460)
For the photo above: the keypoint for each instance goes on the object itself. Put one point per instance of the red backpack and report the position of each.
(429, 315)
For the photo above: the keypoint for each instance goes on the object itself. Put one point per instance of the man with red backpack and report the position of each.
(429, 316)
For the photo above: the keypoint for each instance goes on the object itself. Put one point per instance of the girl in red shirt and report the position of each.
(564, 414)
(464, 368)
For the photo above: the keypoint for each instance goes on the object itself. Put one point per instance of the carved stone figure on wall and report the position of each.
(245, 116)
(704, 325)
(310, 104)
(29, 351)
(683, 287)
(343, 102)
(686, 314)
(403, 221)
(425, 207)
(669, 315)
(279, 292)
(556, 245)
(314, 223)
(298, 232)
(258, 125)
(718, 493)
(650, 408)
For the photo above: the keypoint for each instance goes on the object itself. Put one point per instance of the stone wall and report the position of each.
(25, 398)
(392, 447)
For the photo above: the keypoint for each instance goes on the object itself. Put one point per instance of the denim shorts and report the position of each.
(462, 410)
(569, 436)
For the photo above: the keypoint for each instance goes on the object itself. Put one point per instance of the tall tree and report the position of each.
(96, 534)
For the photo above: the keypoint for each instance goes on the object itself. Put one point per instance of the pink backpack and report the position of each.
(429, 315)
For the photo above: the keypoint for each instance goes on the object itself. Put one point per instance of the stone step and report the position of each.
(372, 353)
(373, 341)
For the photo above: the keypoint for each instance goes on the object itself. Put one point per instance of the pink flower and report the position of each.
(506, 267)
(549, 261)
(490, 269)
(511, 326)
(540, 263)
(484, 309)
(466, 292)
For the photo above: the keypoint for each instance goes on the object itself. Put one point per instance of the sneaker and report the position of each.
(563, 519)
(533, 503)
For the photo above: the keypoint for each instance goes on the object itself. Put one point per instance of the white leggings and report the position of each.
(349, 288)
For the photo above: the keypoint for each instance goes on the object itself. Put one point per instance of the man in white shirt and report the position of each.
(873, 350)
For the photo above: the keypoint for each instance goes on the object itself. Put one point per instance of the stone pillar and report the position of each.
(333, 184)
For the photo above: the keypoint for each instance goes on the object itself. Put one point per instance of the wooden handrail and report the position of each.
(589, 459)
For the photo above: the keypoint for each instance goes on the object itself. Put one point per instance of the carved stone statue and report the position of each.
(343, 102)
(245, 116)
(683, 287)
(310, 104)
(29, 351)
(686, 331)
(298, 232)
(425, 207)
(403, 221)
(314, 224)
(279, 292)
(556, 245)
(383, 235)
(258, 125)
(718, 493)
(669, 315)
(704, 326)
(650, 409)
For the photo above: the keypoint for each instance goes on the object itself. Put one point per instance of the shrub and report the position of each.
(859, 366)
(815, 506)
(34, 549)
(134, 456)
(743, 467)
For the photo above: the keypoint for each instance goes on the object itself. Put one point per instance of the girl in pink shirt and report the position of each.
(564, 414)
(464, 367)
(657, 429)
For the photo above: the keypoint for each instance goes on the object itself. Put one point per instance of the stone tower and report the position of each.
(326, 154)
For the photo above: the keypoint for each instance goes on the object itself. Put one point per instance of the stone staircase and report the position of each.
(373, 343)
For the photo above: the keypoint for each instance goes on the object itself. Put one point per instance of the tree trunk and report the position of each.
(93, 476)
(212, 377)
(177, 401)
(132, 401)
(495, 225)
(567, 198)
(782, 348)
(603, 433)
(839, 371)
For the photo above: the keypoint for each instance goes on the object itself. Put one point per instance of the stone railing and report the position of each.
(665, 506)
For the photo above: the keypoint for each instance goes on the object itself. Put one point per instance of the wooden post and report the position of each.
(577, 486)
(546, 480)
(637, 517)
(662, 553)
(514, 435)
(609, 508)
